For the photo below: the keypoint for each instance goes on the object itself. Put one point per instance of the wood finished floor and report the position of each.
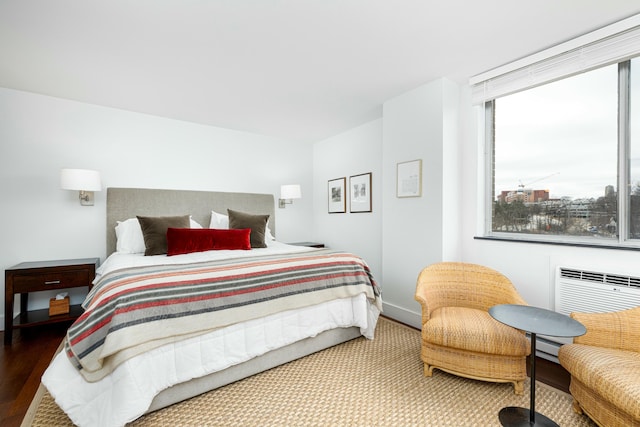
(23, 363)
(21, 366)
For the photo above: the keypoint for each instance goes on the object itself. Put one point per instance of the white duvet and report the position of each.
(127, 393)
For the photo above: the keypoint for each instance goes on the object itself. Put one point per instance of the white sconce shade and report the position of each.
(83, 180)
(288, 193)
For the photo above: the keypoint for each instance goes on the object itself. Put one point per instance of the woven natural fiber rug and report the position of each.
(359, 383)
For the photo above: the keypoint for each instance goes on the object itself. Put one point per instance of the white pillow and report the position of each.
(221, 221)
(129, 239)
(267, 234)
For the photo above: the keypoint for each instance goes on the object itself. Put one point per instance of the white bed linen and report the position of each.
(117, 260)
(127, 393)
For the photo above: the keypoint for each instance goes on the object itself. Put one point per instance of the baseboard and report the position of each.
(547, 347)
(402, 315)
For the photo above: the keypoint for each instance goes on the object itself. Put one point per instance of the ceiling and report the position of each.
(302, 70)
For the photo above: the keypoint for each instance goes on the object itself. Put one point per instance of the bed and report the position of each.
(186, 363)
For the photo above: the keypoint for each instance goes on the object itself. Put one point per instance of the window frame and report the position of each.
(623, 175)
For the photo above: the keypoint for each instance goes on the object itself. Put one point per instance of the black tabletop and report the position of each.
(537, 320)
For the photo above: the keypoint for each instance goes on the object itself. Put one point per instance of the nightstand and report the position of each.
(39, 276)
(309, 244)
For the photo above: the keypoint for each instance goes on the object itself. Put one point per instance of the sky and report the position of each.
(562, 136)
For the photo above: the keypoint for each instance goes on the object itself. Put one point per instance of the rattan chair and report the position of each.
(458, 334)
(605, 367)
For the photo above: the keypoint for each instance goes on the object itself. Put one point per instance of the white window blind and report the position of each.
(615, 43)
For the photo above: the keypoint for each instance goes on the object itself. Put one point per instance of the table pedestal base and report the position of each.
(521, 417)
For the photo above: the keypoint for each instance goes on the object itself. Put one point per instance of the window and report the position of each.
(555, 158)
(562, 137)
(565, 159)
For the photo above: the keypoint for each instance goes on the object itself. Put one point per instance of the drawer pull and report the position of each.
(52, 282)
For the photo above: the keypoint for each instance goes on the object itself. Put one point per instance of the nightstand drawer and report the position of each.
(51, 280)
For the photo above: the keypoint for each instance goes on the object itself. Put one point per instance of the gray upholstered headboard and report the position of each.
(125, 203)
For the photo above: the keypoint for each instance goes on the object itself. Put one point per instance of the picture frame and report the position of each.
(336, 196)
(409, 179)
(360, 193)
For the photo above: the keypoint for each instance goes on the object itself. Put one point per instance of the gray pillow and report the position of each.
(257, 224)
(154, 231)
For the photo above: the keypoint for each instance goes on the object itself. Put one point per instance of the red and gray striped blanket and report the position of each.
(133, 310)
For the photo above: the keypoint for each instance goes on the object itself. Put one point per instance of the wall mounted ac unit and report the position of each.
(589, 291)
(593, 292)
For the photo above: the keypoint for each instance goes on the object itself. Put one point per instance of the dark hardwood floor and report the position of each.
(23, 363)
(551, 373)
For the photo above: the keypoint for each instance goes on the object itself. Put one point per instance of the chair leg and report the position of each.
(576, 407)
(428, 370)
(518, 387)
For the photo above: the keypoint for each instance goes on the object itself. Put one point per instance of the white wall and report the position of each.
(354, 152)
(416, 232)
(401, 236)
(39, 135)
(451, 173)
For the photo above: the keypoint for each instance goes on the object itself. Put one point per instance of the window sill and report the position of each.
(580, 244)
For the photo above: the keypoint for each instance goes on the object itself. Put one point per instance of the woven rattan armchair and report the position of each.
(458, 334)
(605, 367)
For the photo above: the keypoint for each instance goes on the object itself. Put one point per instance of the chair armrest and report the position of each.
(618, 330)
(421, 297)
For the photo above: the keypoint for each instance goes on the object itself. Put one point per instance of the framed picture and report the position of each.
(337, 197)
(409, 179)
(360, 190)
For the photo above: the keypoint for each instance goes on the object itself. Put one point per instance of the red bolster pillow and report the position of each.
(187, 240)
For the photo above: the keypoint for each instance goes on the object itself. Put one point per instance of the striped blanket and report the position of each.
(133, 310)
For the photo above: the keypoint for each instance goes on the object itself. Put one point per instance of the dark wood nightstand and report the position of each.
(39, 276)
(309, 244)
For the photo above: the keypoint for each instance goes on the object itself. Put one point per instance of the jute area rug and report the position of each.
(359, 383)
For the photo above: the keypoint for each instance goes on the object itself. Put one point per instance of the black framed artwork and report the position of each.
(360, 193)
(336, 195)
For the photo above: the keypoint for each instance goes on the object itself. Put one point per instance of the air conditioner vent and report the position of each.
(631, 281)
(596, 277)
(570, 274)
(593, 277)
(590, 276)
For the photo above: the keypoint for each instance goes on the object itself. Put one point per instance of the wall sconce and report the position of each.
(288, 193)
(82, 180)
